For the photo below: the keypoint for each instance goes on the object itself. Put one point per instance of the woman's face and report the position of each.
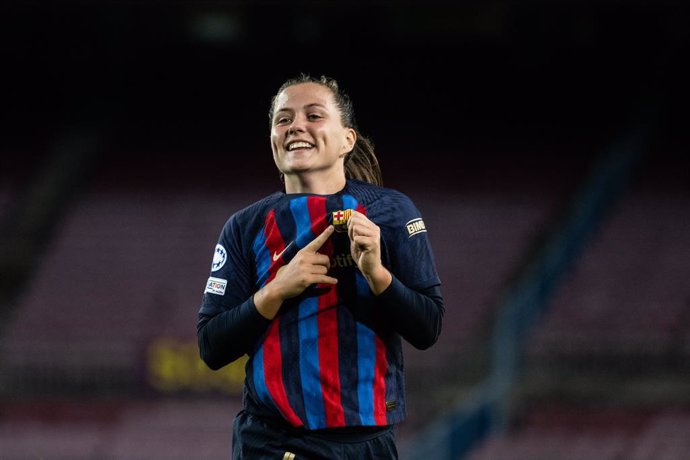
(307, 136)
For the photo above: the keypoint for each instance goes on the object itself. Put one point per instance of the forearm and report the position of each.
(268, 300)
(229, 335)
(416, 316)
(379, 279)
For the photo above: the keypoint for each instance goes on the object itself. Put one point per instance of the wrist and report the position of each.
(268, 301)
(379, 279)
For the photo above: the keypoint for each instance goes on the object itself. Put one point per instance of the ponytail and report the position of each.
(361, 163)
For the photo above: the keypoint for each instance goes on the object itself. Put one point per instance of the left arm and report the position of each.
(415, 314)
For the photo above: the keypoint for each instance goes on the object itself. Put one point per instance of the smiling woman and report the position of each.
(309, 140)
(329, 117)
(320, 284)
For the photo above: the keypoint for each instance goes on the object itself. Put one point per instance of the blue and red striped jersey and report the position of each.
(330, 358)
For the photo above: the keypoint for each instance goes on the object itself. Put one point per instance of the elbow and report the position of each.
(208, 355)
(426, 327)
(425, 341)
(212, 362)
(428, 336)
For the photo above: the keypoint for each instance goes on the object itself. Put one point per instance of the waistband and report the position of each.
(339, 434)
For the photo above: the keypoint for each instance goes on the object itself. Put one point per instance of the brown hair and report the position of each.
(361, 163)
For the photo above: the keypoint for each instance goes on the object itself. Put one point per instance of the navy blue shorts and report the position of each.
(257, 439)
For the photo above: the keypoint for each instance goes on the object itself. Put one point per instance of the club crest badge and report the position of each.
(340, 219)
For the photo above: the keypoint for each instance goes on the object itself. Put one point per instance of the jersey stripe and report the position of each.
(366, 346)
(263, 259)
(308, 329)
(262, 264)
(366, 364)
(371, 357)
(300, 214)
(273, 372)
(349, 202)
(345, 270)
(328, 326)
(309, 363)
(258, 377)
(380, 383)
(274, 243)
(272, 353)
(379, 371)
(328, 358)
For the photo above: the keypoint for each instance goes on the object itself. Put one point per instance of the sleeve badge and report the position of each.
(415, 226)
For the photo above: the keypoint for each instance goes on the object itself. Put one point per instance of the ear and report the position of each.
(350, 139)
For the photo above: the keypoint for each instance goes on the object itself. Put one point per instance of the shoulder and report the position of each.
(248, 216)
(386, 206)
(371, 194)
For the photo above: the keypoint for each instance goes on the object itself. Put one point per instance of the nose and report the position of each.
(297, 125)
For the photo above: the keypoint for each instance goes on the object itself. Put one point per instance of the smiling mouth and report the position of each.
(299, 145)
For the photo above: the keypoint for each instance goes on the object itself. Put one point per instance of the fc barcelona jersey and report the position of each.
(329, 358)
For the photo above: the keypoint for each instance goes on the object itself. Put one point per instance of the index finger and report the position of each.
(317, 242)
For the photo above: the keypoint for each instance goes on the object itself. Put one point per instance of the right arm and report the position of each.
(226, 336)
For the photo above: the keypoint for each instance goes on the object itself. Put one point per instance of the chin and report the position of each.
(297, 167)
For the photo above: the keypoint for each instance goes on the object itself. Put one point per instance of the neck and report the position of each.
(314, 183)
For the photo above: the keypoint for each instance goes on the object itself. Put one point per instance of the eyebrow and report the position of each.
(308, 106)
(314, 104)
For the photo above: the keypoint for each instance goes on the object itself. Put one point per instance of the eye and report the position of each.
(281, 120)
(314, 116)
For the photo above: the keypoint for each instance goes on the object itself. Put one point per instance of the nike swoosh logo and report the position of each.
(278, 255)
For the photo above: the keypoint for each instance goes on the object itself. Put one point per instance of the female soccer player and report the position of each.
(318, 285)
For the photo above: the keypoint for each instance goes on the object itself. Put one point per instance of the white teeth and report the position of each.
(299, 145)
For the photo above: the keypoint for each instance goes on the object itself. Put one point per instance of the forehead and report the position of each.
(298, 96)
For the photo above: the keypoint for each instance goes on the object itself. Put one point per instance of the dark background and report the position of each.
(182, 88)
(478, 99)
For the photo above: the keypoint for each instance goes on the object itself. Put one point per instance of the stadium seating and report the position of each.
(137, 254)
(128, 263)
(123, 269)
(629, 292)
(610, 353)
(477, 242)
(152, 430)
(572, 433)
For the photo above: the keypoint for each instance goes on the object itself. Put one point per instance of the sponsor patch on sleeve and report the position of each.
(415, 226)
(216, 286)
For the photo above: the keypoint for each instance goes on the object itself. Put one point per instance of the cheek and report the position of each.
(275, 144)
(343, 142)
(276, 153)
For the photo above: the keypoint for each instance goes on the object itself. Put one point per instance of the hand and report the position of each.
(306, 268)
(365, 249)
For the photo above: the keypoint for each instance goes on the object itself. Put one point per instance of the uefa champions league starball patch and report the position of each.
(219, 257)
